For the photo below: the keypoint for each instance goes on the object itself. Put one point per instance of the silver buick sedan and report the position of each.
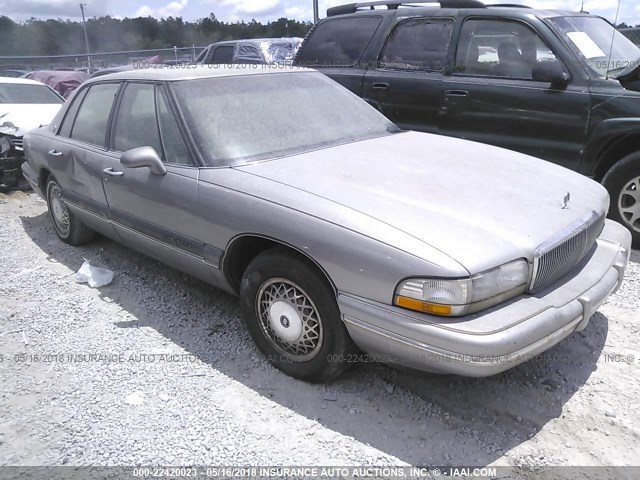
(345, 238)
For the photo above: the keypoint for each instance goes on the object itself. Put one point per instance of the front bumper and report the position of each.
(499, 338)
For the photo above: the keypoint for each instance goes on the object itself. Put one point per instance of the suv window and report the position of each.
(135, 124)
(223, 54)
(499, 48)
(418, 44)
(175, 150)
(338, 43)
(90, 125)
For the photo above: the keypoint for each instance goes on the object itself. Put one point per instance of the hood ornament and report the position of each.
(565, 200)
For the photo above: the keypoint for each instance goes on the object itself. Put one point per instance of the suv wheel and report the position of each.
(292, 316)
(623, 183)
(68, 228)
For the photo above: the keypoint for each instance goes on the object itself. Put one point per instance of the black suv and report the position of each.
(562, 86)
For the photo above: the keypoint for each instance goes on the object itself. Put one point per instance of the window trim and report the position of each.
(105, 145)
(501, 19)
(412, 19)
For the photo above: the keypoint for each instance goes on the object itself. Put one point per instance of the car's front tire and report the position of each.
(292, 315)
(623, 183)
(68, 228)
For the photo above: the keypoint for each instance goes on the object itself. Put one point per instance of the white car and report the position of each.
(24, 106)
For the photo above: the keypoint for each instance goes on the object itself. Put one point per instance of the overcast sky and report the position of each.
(262, 10)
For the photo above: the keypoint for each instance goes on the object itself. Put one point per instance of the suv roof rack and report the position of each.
(393, 5)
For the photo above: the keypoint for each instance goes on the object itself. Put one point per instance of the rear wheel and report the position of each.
(623, 184)
(292, 316)
(68, 228)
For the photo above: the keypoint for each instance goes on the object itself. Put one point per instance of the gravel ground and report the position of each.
(180, 382)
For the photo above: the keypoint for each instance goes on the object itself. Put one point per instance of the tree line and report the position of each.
(107, 34)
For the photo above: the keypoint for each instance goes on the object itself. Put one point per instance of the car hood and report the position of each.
(479, 204)
(26, 117)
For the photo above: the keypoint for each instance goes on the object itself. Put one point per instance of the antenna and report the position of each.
(613, 38)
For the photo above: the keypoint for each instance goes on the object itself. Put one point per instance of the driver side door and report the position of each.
(152, 212)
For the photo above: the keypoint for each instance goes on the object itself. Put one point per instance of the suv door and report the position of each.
(493, 95)
(336, 48)
(407, 80)
(78, 154)
(152, 213)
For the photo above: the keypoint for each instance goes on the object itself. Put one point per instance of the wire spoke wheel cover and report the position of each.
(629, 204)
(59, 211)
(289, 319)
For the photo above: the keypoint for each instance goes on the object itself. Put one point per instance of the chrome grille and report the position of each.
(17, 143)
(557, 257)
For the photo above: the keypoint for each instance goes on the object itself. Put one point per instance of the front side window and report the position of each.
(338, 43)
(175, 150)
(90, 125)
(135, 123)
(500, 48)
(234, 120)
(418, 44)
(602, 48)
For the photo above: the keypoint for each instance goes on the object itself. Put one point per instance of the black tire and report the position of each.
(328, 346)
(623, 177)
(74, 232)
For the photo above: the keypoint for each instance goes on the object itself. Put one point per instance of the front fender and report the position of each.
(604, 139)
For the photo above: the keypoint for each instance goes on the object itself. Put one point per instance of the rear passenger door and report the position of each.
(406, 83)
(78, 154)
(336, 49)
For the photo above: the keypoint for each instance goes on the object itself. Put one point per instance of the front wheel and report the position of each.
(623, 184)
(292, 316)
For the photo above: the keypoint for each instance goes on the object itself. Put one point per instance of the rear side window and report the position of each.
(223, 54)
(90, 125)
(338, 43)
(418, 44)
(67, 123)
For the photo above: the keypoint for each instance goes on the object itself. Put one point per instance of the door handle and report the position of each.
(55, 153)
(456, 93)
(109, 171)
(380, 86)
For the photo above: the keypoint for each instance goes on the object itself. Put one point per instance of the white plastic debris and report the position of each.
(96, 277)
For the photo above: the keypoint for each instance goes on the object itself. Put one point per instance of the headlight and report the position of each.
(454, 297)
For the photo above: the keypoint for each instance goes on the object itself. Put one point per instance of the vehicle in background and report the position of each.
(13, 73)
(562, 86)
(62, 81)
(253, 51)
(24, 105)
(334, 227)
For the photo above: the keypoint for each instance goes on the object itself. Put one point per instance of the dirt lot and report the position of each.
(179, 381)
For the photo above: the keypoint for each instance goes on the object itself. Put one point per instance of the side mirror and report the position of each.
(143, 157)
(551, 71)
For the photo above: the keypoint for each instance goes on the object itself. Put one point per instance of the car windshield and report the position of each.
(597, 43)
(25, 93)
(246, 118)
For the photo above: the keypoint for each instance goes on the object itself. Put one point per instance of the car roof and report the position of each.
(21, 81)
(170, 73)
